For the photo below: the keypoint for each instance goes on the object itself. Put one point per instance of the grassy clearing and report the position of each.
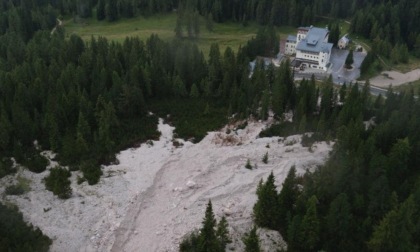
(415, 85)
(387, 64)
(413, 63)
(226, 34)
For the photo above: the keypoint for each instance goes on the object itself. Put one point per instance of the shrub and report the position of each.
(248, 164)
(281, 130)
(20, 188)
(309, 140)
(14, 190)
(91, 171)
(242, 125)
(80, 180)
(6, 167)
(265, 158)
(58, 182)
(35, 162)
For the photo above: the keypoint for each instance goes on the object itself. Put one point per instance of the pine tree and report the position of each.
(210, 22)
(265, 158)
(208, 240)
(266, 208)
(349, 60)
(83, 128)
(100, 10)
(111, 10)
(251, 241)
(302, 124)
(194, 91)
(196, 23)
(339, 221)
(265, 102)
(207, 110)
(343, 91)
(311, 226)
(394, 232)
(398, 162)
(334, 36)
(248, 164)
(222, 233)
(178, 27)
(287, 199)
(5, 130)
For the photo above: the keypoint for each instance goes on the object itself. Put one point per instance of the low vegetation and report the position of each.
(413, 87)
(58, 182)
(265, 158)
(21, 187)
(248, 164)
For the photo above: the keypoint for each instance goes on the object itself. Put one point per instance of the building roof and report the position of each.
(345, 39)
(291, 38)
(314, 41)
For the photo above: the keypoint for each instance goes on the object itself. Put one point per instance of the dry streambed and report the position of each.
(157, 193)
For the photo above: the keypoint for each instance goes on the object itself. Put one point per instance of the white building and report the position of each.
(343, 42)
(311, 47)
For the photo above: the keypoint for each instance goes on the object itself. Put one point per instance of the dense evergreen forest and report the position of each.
(367, 196)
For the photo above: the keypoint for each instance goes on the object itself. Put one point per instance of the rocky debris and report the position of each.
(158, 193)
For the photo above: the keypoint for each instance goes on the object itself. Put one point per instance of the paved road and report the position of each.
(339, 74)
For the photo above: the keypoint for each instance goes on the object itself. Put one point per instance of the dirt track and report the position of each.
(395, 78)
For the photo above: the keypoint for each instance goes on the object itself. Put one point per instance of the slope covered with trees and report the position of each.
(366, 197)
(87, 100)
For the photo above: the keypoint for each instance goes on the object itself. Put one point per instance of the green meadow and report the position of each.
(226, 34)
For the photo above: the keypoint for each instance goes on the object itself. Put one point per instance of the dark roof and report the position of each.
(314, 41)
(291, 38)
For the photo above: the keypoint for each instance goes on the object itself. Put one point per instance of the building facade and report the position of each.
(311, 47)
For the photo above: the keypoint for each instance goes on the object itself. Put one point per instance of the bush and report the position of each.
(6, 167)
(14, 190)
(248, 164)
(265, 158)
(58, 182)
(35, 162)
(309, 140)
(80, 180)
(281, 130)
(91, 171)
(242, 125)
